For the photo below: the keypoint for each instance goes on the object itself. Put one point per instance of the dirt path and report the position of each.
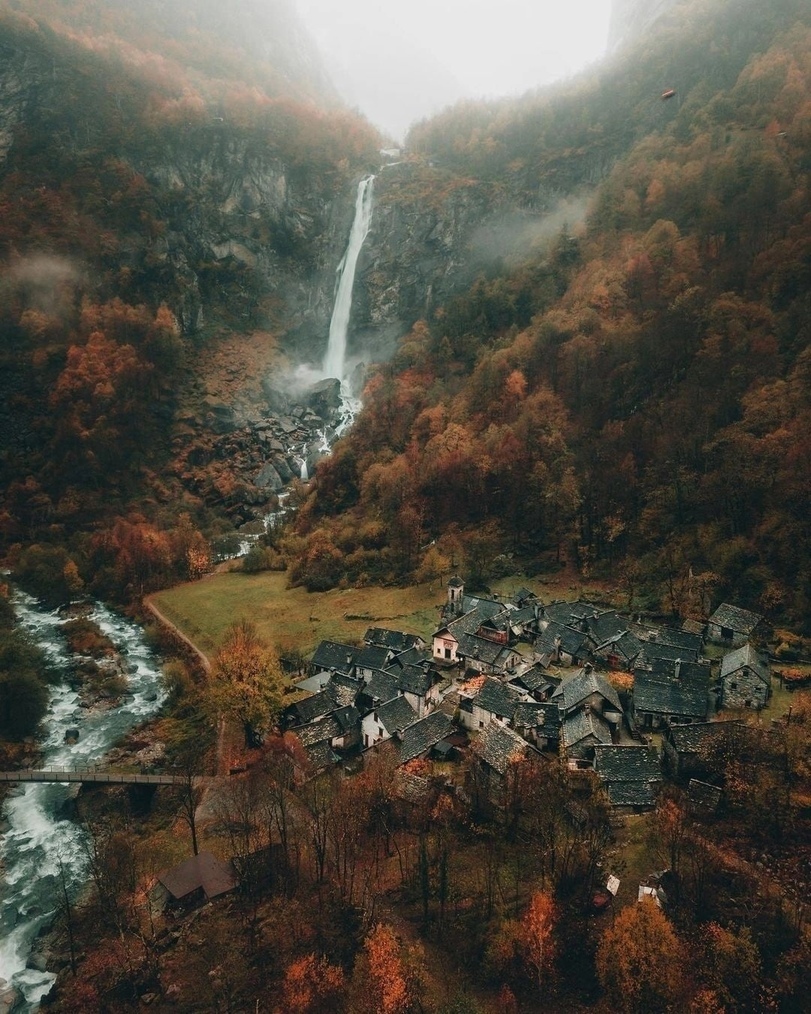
(176, 632)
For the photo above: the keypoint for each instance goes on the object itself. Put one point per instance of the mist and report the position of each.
(400, 65)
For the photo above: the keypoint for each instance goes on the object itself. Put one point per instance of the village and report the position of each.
(506, 678)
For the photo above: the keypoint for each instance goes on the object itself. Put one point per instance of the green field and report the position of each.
(291, 618)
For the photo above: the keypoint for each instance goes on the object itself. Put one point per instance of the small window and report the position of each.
(747, 704)
(733, 686)
(481, 725)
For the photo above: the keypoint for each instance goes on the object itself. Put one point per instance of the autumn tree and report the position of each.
(639, 960)
(311, 985)
(538, 944)
(384, 979)
(246, 682)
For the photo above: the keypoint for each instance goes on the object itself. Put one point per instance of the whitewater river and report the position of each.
(36, 833)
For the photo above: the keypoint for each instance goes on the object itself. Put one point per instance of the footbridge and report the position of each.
(95, 776)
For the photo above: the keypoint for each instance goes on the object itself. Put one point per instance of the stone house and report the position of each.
(581, 732)
(332, 656)
(745, 679)
(684, 749)
(386, 721)
(670, 692)
(418, 739)
(539, 724)
(490, 701)
(733, 626)
(631, 775)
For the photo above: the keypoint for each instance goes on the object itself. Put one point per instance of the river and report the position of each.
(38, 833)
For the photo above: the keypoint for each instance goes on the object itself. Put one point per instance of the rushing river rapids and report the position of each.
(40, 844)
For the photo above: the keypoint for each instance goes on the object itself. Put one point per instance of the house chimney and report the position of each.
(677, 670)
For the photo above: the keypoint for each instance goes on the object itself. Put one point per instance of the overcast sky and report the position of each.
(400, 61)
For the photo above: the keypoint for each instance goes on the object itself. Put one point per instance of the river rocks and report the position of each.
(11, 998)
(71, 736)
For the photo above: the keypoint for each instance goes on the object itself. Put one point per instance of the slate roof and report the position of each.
(411, 656)
(482, 607)
(627, 763)
(372, 657)
(704, 796)
(347, 718)
(742, 621)
(571, 641)
(606, 626)
(314, 707)
(497, 746)
(535, 678)
(321, 756)
(747, 656)
(577, 688)
(636, 794)
(695, 674)
(690, 738)
(625, 645)
(396, 714)
(631, 773)
(334, 655)
(583, 724)
(569, 612)
(381, 687)
(669, 635)
(523, 616)
(546, 718)
(524, 595)
(669, 696)
(671, 652)
(397, 640)
(424, 734)
(470, 621)
(204, 871)
(497, 698)
(413, 679)
(345, 689)
(480, 649)
(321, 731)
(411, 788)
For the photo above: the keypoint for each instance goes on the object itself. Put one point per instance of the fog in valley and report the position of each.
(400, 63)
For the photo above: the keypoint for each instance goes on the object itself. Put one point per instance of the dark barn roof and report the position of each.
(205, 871)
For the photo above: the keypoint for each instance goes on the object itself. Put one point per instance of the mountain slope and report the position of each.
(633, 398)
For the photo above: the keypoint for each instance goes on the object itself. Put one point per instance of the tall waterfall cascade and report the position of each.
(335, 359)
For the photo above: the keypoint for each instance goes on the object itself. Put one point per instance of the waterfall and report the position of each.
(334, 364)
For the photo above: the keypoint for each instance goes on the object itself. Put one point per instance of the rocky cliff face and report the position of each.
(421, 248)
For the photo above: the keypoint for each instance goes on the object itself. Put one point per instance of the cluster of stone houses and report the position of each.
(508, 677)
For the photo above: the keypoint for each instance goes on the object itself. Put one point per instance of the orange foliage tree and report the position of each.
(639, 960)
(312, 985)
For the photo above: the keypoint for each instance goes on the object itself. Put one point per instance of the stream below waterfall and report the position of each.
(37, 833)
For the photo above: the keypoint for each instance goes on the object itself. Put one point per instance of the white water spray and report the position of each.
(334, 361)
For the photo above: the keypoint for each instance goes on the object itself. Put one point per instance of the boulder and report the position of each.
(268, 477)
(323, 398)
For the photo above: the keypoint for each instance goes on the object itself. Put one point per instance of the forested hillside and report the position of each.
(163, 185)
(635, 396)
